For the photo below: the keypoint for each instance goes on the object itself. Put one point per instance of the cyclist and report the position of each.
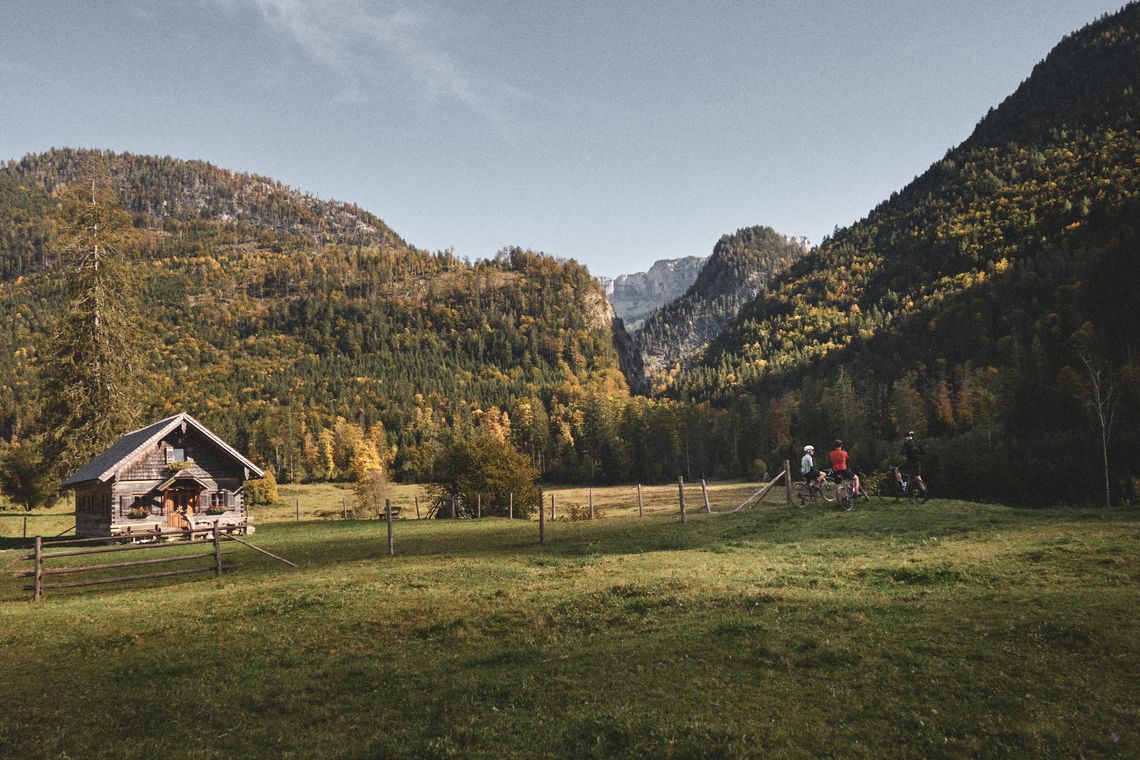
(839, 468)
(912, 450)
(807, 467)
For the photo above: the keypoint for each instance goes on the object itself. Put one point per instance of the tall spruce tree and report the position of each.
(91, 384)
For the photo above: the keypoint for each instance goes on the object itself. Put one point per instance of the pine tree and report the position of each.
(91, 384)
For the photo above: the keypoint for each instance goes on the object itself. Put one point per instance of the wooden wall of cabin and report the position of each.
(93, 510)
(125, 493)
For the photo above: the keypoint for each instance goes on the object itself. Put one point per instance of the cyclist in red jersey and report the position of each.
(839, 469)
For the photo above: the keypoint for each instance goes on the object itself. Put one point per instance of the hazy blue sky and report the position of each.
(616, 133)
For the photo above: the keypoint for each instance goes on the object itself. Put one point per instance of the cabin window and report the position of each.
(218, 499)
(177, 455)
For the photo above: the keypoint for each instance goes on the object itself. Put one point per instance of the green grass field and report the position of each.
(943, 630)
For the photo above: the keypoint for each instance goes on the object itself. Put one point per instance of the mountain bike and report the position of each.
(804, 492)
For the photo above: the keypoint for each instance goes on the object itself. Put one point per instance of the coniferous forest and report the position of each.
(990, 305)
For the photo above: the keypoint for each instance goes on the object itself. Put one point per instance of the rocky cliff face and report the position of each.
(741, 265)
(636, 296)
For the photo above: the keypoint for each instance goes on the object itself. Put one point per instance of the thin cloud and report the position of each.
(348, 36)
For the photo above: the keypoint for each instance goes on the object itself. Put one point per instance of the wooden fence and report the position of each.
(211, 537)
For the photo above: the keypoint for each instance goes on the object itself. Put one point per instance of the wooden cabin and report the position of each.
(174, 473)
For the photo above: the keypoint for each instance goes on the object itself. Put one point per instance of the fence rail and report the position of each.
(38, 572)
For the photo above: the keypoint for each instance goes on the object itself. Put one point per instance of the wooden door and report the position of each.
(173, 502)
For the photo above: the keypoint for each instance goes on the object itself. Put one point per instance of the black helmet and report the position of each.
(838, 443)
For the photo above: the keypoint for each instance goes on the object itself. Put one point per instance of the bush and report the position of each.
(262, 492)
(576, 512)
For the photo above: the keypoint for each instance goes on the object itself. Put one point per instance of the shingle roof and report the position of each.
(104, 465)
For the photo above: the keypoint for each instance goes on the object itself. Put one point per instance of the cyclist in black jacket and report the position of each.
(912, 450)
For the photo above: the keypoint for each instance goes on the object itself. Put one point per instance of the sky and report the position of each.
(615, 133)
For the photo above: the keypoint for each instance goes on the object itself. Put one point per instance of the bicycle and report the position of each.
(902, 486)
(804, 492)
(845, 495)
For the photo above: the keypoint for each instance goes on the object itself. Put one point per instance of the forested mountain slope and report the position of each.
(270, 314)
(977, 304)
(740, 266)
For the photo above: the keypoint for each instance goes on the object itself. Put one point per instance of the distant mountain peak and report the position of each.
(636, 296)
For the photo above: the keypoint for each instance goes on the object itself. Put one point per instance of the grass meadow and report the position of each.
(948, 629)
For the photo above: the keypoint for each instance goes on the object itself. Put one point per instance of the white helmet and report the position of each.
(809, 447)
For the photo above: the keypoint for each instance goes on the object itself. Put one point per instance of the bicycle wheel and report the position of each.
(827, 490)
(801, 494)
(918, 491)
(844, 497)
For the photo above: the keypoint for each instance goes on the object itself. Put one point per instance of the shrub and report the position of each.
(262, 492)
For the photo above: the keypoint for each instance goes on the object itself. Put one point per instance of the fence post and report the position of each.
(479, 506)
(297, 510)
(388, 514)
(454, 507)
(38, 573)
(344, 507)
(417, 506)
(788, 479)
(640, 503)
(553, 509)
(705, 493)
(681, 492)
(591, 503)
(511, 507)
(542, 518)
(25, 524)
(217, 551)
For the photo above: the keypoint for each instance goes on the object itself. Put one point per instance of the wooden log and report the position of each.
(705, 493)
(388, 515)
(127, 578)
(125, 548)
(259, 549)
(114, 565)
(681, 493)
(788, 480)
(759, 494)
(640, 502)
(156, 533)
